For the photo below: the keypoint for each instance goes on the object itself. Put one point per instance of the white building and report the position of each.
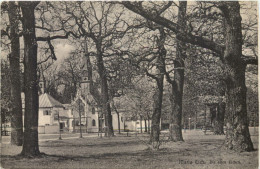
(52, 115)
(91, 119)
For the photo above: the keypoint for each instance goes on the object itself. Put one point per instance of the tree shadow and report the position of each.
(97, 145)
(141, 154)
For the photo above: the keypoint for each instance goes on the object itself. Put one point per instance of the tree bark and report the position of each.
(237, 135)
(92, 88)
(175, 127)
(158, 95)
(104, 92)
(155, 127)
(30, 140)
(16, 109)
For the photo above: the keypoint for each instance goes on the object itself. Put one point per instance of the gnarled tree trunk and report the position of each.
(158, 95)
(16, 109)
(104, 92)
(30, 140)
(175, 127)
(155, 127)
(237, 135)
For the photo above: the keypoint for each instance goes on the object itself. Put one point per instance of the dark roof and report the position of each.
(47, 101)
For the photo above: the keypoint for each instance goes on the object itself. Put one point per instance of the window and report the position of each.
(93, 110)
(46, 112)
(93, 122)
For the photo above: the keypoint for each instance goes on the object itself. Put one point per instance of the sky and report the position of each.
(62, 50)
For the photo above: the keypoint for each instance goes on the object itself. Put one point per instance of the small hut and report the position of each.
(213, 113)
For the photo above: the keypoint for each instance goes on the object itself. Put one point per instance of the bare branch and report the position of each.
(164, 8)
(151, 75)
(183, 36)
(52, 50)
(5, 33)
(58, 37)
(45, 60)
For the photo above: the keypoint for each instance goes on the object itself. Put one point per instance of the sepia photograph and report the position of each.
(129, 85)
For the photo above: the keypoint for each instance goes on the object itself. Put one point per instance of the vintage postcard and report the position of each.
(129, 84)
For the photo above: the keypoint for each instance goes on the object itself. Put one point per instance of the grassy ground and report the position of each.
(198, 151)
(44, 137)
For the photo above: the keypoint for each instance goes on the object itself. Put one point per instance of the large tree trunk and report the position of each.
(175, 127)
(237, 135)
(16, 109)
(158, 95)
(93, 89)
(104, 92)
(155, 127)
(30, 140)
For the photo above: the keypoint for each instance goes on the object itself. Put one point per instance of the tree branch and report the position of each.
(4, 33)
(183, 36)
(45, 60)
(164, 8)
(52, 50)
(58, 37)
(151, 75)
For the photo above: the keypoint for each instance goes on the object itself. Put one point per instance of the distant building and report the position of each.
(52, 115)
(91, 119)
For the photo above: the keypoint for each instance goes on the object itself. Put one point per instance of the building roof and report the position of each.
(47, 101)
